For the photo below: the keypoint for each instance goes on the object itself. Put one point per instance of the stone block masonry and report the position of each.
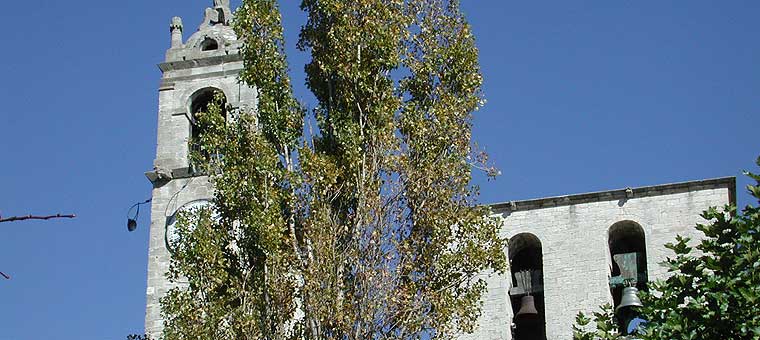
(573, 232)
(208, 61)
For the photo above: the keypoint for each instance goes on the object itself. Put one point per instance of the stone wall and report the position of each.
(573, 231)
(167, 199)
(189, 68)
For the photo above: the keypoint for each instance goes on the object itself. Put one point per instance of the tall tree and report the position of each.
(711, 293)
(365, 228)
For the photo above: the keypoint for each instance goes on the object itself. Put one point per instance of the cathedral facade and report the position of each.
(567, 254)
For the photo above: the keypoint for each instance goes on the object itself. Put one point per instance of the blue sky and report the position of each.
(582, 96)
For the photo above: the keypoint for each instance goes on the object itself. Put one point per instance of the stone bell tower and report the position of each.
(194, 70)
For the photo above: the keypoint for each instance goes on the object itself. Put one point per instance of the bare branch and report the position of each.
(32, 217)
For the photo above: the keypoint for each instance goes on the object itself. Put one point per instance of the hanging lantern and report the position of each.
(132, 221)
(131, 224)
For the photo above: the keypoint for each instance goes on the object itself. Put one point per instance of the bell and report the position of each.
(630, 298)
(131, 224)
(527, 306)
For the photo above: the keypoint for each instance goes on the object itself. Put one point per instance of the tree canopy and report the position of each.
(363, 227)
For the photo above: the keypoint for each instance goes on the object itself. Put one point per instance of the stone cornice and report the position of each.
(620, 194)
(168, 83)
(199, 62)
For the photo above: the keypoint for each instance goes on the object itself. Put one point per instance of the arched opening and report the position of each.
(199, 102)
(526, 265)
(627, 244)
(209, 44)
(628, 252)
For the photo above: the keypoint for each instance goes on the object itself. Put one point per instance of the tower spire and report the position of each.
(222, 3)
(219, 14)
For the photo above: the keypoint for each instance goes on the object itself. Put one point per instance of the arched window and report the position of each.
(209, 44)
(199, 102)
(627, 244)
(527, 294)
(629, 256)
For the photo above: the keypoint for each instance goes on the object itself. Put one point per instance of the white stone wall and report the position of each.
(174, 102)
(172, 155)
(576, 259)
(166, 200)
(187, 70)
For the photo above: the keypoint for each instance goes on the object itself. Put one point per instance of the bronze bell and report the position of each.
(630, 298)
(527, 306)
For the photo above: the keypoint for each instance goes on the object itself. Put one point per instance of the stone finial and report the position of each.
(176, 30)
(176, 24)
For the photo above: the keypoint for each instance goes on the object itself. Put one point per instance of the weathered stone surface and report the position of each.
(573, 231)
(186, 70)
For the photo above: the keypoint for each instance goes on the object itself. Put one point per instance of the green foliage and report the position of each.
(367, 228)
(137, 337)
(604, 327)
(259, 25)
(711, 293)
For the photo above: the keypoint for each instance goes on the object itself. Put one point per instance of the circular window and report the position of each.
(170, 234)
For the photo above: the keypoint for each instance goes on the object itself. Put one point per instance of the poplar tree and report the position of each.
(366, 226)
